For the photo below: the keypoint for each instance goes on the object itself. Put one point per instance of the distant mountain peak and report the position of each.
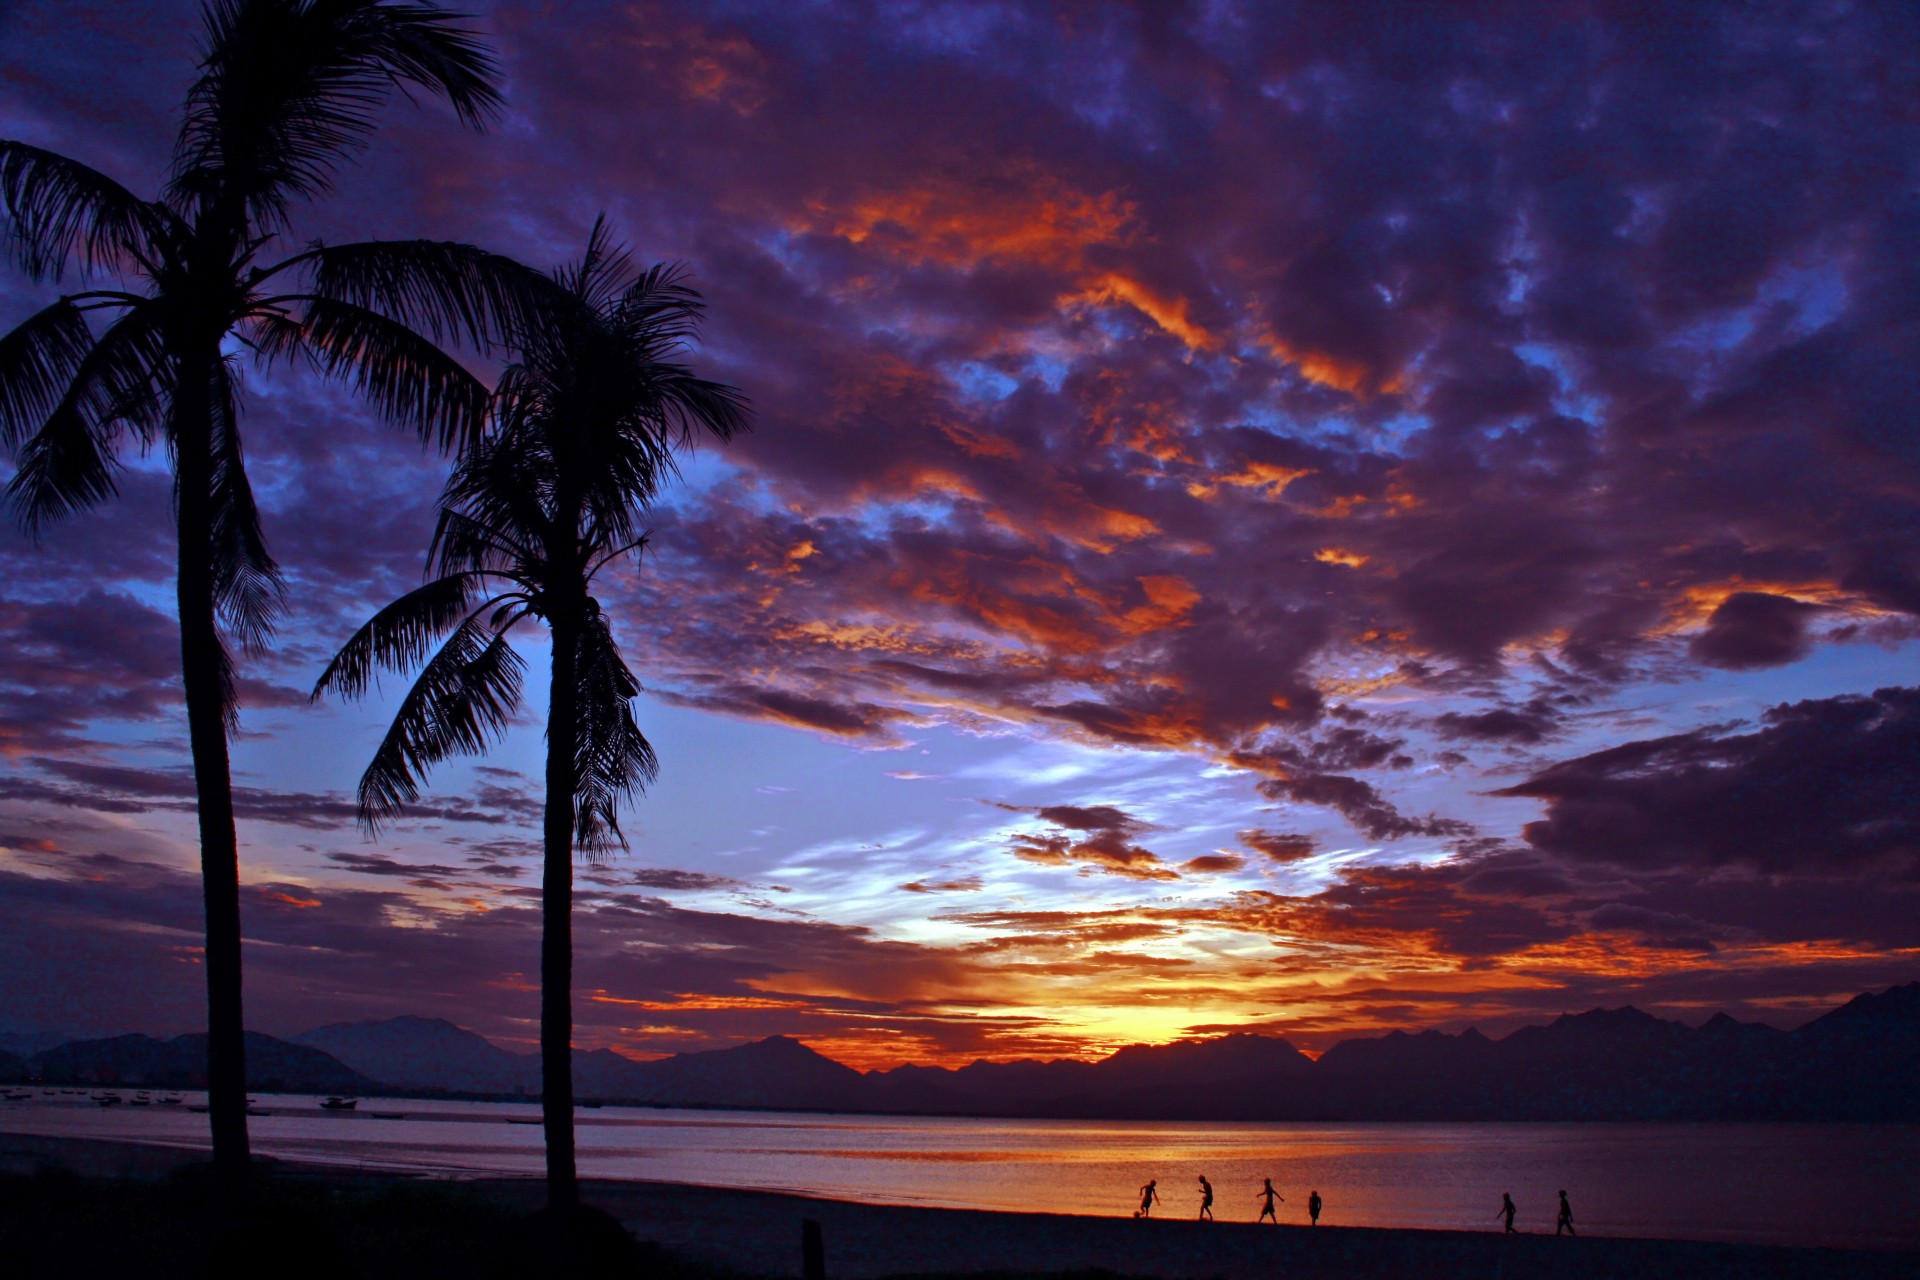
(1896, 1007)
(1859, 1061)
(405, 1023)
(1625, 1015)
(775, 1047)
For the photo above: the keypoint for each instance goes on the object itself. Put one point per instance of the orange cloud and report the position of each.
(1171, 314)
(696, 61)
(979, 444)
(1095, 527)
(1327, 370)
(1696, 604)
(1267, 476)
(1025, 217)
(1169, 598)
(688, 1001)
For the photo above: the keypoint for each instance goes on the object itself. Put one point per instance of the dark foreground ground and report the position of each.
(106, 1209)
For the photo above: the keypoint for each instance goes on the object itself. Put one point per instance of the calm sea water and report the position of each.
(1846, 1185)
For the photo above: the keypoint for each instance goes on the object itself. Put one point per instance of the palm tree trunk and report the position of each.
(201, 663)
(556, 937)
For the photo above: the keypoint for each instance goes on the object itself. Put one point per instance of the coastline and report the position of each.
(757, 1233)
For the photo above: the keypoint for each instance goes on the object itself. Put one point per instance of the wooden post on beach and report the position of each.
(813, 1253)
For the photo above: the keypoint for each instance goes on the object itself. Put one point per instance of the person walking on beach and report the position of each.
(1565, 1221)
(1148, 1194)
(1206, 1200)
(1313, 1208)
(1268, 1195)
(1507, 1211)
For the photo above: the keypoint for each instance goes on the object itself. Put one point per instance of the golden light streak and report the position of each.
(1326, 370)
(1171, 314)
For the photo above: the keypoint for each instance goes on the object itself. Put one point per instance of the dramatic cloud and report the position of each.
(668, 878)
(1381, 463)
(1523, 725)
(1280, 846)
(1105, 843)
(1754, 629)
(1824, 787)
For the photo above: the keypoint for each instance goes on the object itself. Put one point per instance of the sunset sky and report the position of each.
(1305, 518)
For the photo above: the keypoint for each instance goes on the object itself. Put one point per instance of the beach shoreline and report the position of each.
(757, 1233)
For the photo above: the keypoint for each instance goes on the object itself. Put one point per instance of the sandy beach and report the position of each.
(758, 1233)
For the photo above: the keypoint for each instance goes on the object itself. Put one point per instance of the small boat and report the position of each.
(141, 1101)
(108, 1099)
(523, 1119)
(339, 1104)
(199, 1108)
(388, 1115)
(170, 1100)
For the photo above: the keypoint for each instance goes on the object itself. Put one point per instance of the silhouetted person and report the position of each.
(1313, 1208)
(1206, 1200)
(1269, 1195)
(1148, 1194)
(1565, 1221)
(1506, 1210)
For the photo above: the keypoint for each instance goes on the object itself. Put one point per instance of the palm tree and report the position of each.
(583, 431)
(286, 90)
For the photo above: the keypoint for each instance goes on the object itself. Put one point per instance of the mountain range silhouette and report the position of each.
(1858, 1062)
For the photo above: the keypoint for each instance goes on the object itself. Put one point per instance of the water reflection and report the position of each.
(1847, 1185)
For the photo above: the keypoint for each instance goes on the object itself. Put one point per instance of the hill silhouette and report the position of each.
(1858, 1062)
(426, 1054)
(181, 1063)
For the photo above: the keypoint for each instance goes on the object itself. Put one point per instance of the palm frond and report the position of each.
(503, 490)
(400, 635)
(67, 465)
(229, 686)
(410, 380)
(698, 406)
(459, 705)
(597, 278)
(58, 207)
(65, 468)
(612, 759)
(658, 310)
(447, 290)
(249, 592)
(288, 88)
(39, 360)
(463, 544)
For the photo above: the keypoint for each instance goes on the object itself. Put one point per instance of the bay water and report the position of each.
(1853, 1186)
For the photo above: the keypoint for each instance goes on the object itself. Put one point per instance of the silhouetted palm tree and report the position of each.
(583, 431)
(285, 90)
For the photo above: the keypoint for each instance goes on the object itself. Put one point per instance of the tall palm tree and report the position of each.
(286, 90)
(583, 432)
